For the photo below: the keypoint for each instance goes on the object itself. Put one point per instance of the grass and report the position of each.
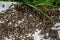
(43, 3)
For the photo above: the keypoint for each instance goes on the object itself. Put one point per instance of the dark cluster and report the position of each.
(19, 21)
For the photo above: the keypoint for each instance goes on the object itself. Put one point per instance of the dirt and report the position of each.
(20, 21)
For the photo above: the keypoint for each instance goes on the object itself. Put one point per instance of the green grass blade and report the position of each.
(38, 10)
(45, 4)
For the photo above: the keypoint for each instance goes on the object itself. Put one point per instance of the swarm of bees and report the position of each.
(19, 21)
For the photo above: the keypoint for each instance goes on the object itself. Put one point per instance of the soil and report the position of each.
(20, 21)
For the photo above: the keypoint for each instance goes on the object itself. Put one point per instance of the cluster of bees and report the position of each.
(19, 21)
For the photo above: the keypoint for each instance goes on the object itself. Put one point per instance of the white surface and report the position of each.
(59, 33)
(55, 26)
(7, 4)
(36, 35)
(7, 39)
